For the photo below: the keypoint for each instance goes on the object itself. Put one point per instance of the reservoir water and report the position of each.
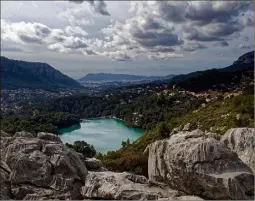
(104, 134)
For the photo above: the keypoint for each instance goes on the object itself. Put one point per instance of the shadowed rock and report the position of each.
(40, 168)
(241, 141)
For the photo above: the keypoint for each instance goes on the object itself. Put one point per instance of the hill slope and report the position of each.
(21, 74)
(218, 79)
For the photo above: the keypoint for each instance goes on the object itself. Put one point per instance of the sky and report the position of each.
(139, 37)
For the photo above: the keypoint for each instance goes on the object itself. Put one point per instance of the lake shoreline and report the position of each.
(104, 133)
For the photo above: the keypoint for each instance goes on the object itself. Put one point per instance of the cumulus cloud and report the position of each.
(192, 46)
(170, 27)
(98, 6)
(117, 56)
(62, 40)
(154, 29)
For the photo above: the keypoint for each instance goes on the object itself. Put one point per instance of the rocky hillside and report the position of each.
(21, 74)
(189, 165)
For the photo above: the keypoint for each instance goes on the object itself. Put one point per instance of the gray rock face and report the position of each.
(49, 137)
(122, 186)
(4, 134)
(23, 134)
(242, 141)
(198, 164)
(40, 168)
(5, 192)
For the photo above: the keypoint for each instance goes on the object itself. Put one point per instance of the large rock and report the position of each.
(198, 164)
(23, 134)
(4, 134)
(40, 168)
(5, 190)
(242, 141)
(122, 186)
(49, 137)
(94, 164)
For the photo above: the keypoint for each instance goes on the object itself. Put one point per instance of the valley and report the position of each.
(213, 101)
(127, 100)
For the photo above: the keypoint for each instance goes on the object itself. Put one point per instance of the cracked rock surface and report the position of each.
(187, 166)
(242, 141)
(42, 167)
(122, 186)
(39, 168)
(198, 164)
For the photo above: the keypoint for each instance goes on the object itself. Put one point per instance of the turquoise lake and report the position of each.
(104, 134)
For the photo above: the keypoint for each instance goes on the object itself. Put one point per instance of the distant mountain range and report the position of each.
(108, 77)
(21, 74)
(35, 75)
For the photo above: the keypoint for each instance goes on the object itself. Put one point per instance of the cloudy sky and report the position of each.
(146, 38)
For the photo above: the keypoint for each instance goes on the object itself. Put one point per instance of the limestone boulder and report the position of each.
(122, 186)
(23, 134)
(198, 164)
(242, 141)
(49, 137)
(40, 168)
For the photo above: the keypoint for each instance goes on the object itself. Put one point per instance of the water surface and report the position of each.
(105, 134)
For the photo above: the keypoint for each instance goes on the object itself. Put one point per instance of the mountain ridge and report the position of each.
(24, 74)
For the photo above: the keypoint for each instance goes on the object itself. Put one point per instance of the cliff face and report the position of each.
(188, 164)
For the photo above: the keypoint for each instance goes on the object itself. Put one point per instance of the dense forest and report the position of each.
(41, 122)
(143, 112)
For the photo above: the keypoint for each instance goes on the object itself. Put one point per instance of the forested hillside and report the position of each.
(216, 117)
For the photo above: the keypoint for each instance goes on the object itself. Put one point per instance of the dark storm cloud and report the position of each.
(151, 39)
(221, 44)
(209, 12)
(29, 39)
(172, 12)
(193, 34)
(223, 29)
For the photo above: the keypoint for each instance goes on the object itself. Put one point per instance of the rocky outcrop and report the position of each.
(195, 164)
(198, 164)
(40, 168)
(44, 168)
(4, 134)
(23, 134)
(49, 137)
(122, 186)
(94, 164)
(242, 141)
